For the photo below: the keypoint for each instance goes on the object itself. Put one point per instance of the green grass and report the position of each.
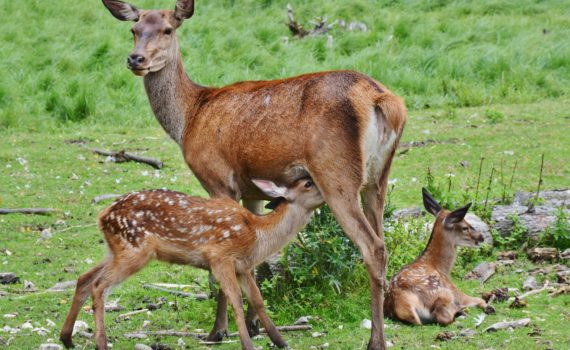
(487, 79)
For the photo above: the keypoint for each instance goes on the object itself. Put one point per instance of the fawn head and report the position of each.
(154, 32)
(453, 223)
(303, 193)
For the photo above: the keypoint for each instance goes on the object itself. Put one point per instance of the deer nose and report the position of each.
(135, 60)
(480, 238)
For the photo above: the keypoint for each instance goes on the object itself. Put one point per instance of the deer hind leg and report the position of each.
(405, 306)
(444, 309)
(249, 287)
(82, 291)
(112, 274)
(221, 324)
(342, 197)
(225, 274)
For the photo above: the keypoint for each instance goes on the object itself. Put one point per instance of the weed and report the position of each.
(516, 239)
(558, 235)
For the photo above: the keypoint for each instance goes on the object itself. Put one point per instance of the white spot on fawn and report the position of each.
(226, 234)
(236, 227)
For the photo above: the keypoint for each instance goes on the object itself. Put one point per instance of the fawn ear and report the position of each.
(184, 9)
(457, 215)
(121, 10)
(269, 188)
(431, 205)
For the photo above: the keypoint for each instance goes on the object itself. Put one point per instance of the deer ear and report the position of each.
(184, 9)
(431, 205)
(269, 188)
(121, 10)
(457, 215)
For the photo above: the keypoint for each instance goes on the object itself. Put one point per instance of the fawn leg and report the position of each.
(82, 290)
(249, 287)
(225, 273)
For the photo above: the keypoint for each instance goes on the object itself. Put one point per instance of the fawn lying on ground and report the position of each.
(214, 234)
(423, 292)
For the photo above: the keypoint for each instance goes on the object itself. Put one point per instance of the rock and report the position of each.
(50, 323)
(535, 217)
(542, 254)
(303, 320)
(79, 326)
(142, 347)
(467, 332)
(507, 255)
(63, 286)
(530, 283)
(317, 334)
(565, 255)
(406, 213)
(29, 286)
(269, 268)
(366, 324)
(508, 325)
(27, 325)
(563, 277)
(50, 346)
(482, 272)
(8, 278)
(46, 234)
(480, 226)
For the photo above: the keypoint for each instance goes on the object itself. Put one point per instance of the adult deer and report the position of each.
(423, 292)
(217, 234)
(341, 128)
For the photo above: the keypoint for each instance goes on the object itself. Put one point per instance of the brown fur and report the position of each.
(423, 292)
(340, 127)
(217, 234)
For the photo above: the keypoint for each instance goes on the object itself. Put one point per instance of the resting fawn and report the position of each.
(423, 292)
(212, 234)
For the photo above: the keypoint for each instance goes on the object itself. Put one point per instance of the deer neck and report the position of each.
(172, 95)
(440, 252)
(278, 228)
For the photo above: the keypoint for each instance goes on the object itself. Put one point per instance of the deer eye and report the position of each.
(308, 184)
(465, 229)
(168, 31)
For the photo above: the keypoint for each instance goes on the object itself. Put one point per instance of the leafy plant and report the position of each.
(493, 116)
(557, 235)
(517, 238)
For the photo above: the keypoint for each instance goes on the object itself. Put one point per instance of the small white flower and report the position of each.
(118, 181)
(144, 173)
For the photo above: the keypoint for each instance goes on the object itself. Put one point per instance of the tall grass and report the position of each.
(64, 61)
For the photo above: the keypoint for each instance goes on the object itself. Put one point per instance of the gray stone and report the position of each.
(536, 218)
(480, 226)
(50, 346)
(530, 283)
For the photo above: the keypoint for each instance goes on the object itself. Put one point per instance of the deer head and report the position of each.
(452, 224)
(154, 32)
(302, 193)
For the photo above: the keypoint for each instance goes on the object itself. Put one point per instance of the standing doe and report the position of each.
(217, 235)
(341, 128)
(423, 292)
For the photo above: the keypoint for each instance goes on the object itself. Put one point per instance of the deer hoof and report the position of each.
(489, 310)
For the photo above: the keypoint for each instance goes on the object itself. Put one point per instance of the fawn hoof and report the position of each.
(253, 328)
(216, 335)
(489, 310)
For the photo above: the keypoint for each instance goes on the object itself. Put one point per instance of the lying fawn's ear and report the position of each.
(121, 10)
(457, 215)
(431, 205)
(269, 188)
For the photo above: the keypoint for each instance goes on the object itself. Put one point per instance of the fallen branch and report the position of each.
(168, 333)
(559, 291)
(321, 26)
(122, 156)
(511, 324)
(199, 296)
(129, 314)
(34, 211)
(104, 197)
(532, 292)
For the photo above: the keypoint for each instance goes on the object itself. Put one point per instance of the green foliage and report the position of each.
(405, 240)
(321, 261)
(559, 234)
(494, 117)
(516, 239)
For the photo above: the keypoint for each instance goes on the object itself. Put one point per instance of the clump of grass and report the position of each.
(493, 116)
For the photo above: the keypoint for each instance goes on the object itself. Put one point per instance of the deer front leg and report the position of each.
(469, 301)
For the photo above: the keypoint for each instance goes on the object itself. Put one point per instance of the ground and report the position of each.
(484, 80)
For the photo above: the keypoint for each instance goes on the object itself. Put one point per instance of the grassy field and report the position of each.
(487, 79)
